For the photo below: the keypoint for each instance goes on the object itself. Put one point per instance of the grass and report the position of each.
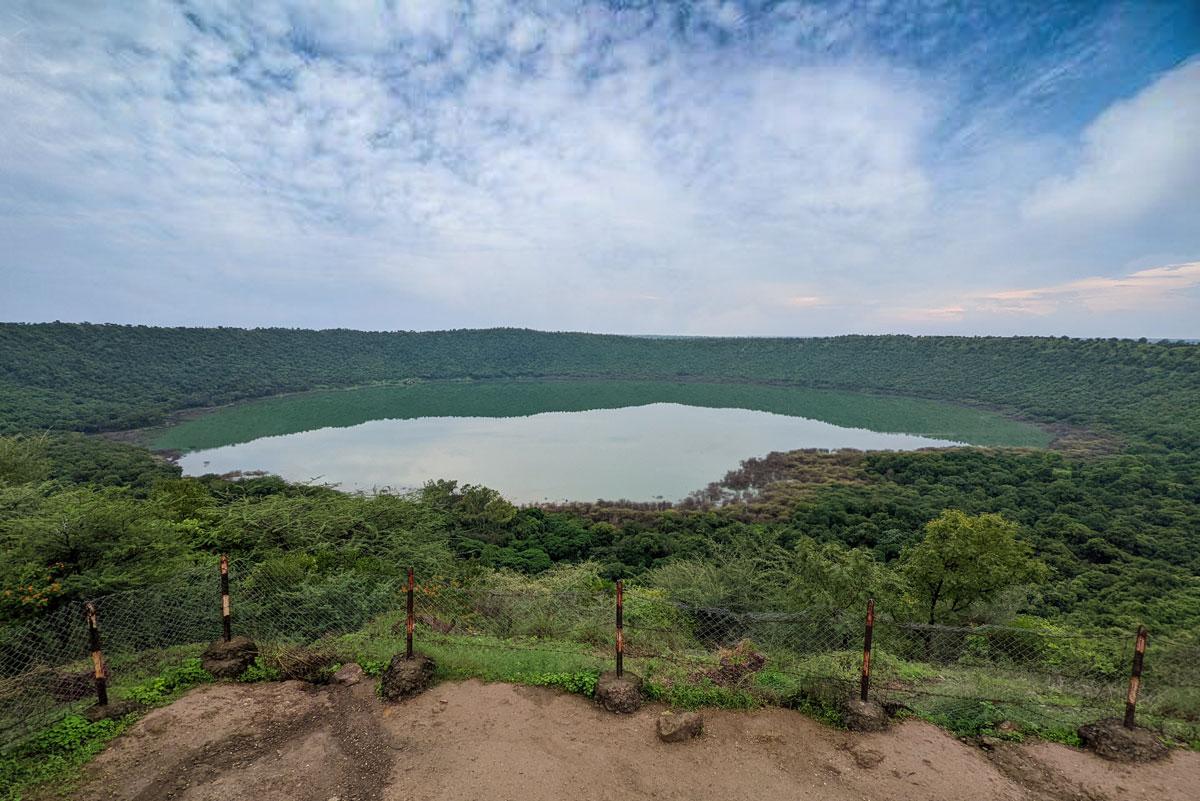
(57, 753)
(950, 696)
(570, 666)
(129, 672)
(341, 408)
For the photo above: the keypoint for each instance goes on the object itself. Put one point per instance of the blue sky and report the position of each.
(697, 168)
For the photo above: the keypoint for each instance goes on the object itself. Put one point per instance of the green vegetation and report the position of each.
(1115, 533)
(293, 413)
(109, 377)
(1096, 535)
(964, 561)
(56, 753)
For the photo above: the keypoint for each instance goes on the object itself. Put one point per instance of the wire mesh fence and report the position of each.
(46, 669)
(965, 677)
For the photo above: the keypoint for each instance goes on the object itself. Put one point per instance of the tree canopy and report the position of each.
(966, 560)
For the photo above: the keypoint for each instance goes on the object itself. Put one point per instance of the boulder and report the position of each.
(864, 715)
(405, 677)
(675, 728)
(228, 660)
(1110, 739)
(620, 695)
(865, 758)
(349, 674)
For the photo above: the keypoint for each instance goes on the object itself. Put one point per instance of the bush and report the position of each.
(170, 682)
(580, 682)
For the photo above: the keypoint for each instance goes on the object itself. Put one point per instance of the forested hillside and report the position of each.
(107, 377)
(1115, 537)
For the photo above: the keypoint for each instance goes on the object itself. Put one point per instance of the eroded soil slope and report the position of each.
(271, 742)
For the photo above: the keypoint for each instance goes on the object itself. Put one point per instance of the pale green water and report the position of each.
(659, 450)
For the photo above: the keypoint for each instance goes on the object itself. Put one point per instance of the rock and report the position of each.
(406, 677)
(1110, 739)
(864, 715)
(228, 660)
(113, 711)
(349, 674)
(675, 728)
(866, 758)
(619, 694)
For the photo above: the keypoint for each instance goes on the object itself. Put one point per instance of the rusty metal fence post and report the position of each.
(98, 669)
(1135, 677)
(620, 628)
(864, 681)
(409, 622)
(226, 622)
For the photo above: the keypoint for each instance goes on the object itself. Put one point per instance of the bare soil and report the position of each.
(469, 740)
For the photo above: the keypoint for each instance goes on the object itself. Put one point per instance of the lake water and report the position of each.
(647, 452)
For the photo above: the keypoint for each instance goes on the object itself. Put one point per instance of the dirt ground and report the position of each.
(469, 740)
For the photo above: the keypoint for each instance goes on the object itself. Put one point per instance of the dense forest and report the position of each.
(1111, 537)
(107, 377)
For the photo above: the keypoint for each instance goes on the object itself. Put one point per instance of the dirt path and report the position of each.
(468, 741)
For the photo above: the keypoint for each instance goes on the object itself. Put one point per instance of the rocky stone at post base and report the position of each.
(228, 660)
(406, 677)
(864, 716)
(1110, 739)
(677, 727)
(620, 695)
(349, 674)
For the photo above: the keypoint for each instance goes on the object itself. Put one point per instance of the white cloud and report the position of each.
(1147, 290)
(1150, 292)
(1141, 157)
(448, 164)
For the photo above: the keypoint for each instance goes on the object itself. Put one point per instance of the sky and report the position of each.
(715, 168)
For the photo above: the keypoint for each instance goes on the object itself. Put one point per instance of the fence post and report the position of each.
(408, 627)
(1135, 676)
(226, 624)
(864, 681)
(93, 623)
(620, 628)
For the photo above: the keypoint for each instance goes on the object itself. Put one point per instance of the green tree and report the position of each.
(964, 560)
(471, 506)
(23, 459)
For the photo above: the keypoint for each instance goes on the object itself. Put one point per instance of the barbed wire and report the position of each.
(789, 657)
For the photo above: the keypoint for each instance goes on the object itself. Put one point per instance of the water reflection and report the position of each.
(661, 450)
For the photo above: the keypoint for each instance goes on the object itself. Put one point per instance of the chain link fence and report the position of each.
(967, 678)
(46, 671)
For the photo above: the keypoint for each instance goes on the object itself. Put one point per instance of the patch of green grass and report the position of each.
(677, 685)
(169, 684)
(573, 667)
(971, 718)
(57, 753)
(260, 670)
(579, 682)
(701, 694)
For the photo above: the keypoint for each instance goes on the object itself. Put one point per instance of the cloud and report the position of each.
(1152, 291)
(724, 167)
(1145, 290)
(1139, 158)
